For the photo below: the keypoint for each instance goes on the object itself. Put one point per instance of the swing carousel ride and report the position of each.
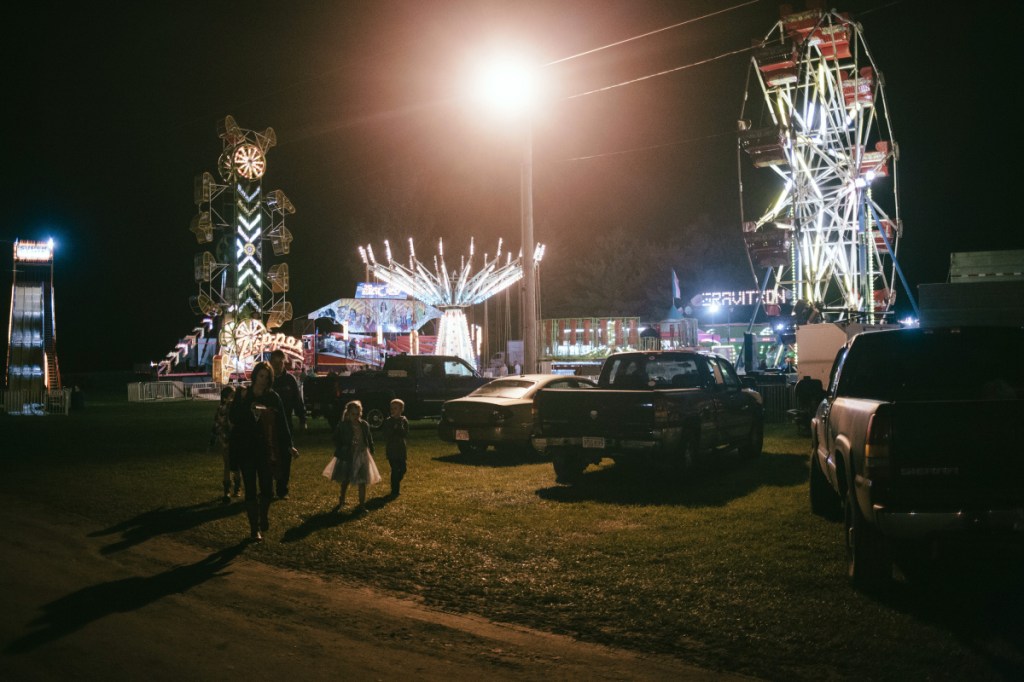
(449, 290)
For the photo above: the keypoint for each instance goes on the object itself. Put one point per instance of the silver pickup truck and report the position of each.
(920, 439)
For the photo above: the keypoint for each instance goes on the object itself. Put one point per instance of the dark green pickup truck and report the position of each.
(423, 382)
(666, 408)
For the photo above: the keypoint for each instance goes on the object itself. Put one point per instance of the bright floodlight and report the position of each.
(507, 84)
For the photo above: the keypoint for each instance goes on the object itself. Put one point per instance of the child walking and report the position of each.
(221, 436)
(396, 429)
(353, 446)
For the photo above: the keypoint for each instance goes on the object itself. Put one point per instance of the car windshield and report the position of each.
(503, 388)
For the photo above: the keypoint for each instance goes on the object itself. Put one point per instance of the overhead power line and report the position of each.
(651, 33)
(662, 73)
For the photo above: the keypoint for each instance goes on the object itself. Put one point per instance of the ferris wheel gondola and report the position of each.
(817, 166)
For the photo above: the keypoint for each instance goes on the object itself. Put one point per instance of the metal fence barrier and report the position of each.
(207, 390)
(144, 391)
(778, 400)
(36, 402)
(156, 390)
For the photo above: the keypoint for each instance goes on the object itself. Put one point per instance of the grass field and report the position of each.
(725, 568)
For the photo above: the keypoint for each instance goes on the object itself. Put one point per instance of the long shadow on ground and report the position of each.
(714, 482)
(330, 519)
(76, 610)
(156, 522)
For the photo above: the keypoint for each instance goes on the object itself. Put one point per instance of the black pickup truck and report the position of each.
(918, 441)
(666, 408)
(423, 382)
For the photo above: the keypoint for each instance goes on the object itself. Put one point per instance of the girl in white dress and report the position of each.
(353, 446)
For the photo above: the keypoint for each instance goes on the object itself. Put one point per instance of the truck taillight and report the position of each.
(879, 438)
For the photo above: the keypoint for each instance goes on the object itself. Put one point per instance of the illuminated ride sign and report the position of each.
(735, 298)
(245, 341)
(33, 252)
(378, 290)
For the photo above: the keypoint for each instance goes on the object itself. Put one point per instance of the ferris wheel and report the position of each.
(817, 167)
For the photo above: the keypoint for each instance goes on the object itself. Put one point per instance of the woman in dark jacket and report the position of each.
(260, 436)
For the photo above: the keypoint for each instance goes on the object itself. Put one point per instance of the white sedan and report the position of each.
(499, 413)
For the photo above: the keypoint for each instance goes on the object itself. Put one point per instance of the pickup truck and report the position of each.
(423, 382)
(664, 408)
(918, 440)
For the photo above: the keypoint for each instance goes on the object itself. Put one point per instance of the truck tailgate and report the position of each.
(970, 453)
(605, 412)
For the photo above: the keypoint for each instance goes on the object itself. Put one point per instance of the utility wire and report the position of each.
(651, 33)
(662, 73)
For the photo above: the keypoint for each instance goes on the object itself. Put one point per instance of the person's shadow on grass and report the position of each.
(76, 610)
(155, 522)
(330, 519)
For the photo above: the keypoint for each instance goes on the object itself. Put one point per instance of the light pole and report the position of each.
(509, 84)
(529, 281)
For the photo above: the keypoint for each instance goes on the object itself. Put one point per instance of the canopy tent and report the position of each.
(366, 315)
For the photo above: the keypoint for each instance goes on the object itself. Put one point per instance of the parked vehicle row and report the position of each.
(668, 408)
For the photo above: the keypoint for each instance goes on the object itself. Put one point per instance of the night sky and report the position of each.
(110, 112)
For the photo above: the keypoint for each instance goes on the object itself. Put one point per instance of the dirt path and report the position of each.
(167, 610)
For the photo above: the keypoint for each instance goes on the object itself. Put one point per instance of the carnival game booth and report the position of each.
(327, 352)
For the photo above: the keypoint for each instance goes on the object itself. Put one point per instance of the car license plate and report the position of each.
(591, 442)
(461, 434)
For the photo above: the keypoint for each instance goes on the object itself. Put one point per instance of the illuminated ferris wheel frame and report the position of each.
(829, 234)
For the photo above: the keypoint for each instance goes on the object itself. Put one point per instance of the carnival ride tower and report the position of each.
(816, 147)
(239, 285)
(450, 291)
(32, 330)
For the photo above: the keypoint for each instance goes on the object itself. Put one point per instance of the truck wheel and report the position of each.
(568, 465)
(375, 416)
(754, 443)
(467, 448)
(868, 564)
(824, 501)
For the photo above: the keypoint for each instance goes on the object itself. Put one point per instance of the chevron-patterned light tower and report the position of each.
(238, 217)
(449, 290)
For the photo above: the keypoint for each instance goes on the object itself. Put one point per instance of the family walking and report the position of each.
(253, 427)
